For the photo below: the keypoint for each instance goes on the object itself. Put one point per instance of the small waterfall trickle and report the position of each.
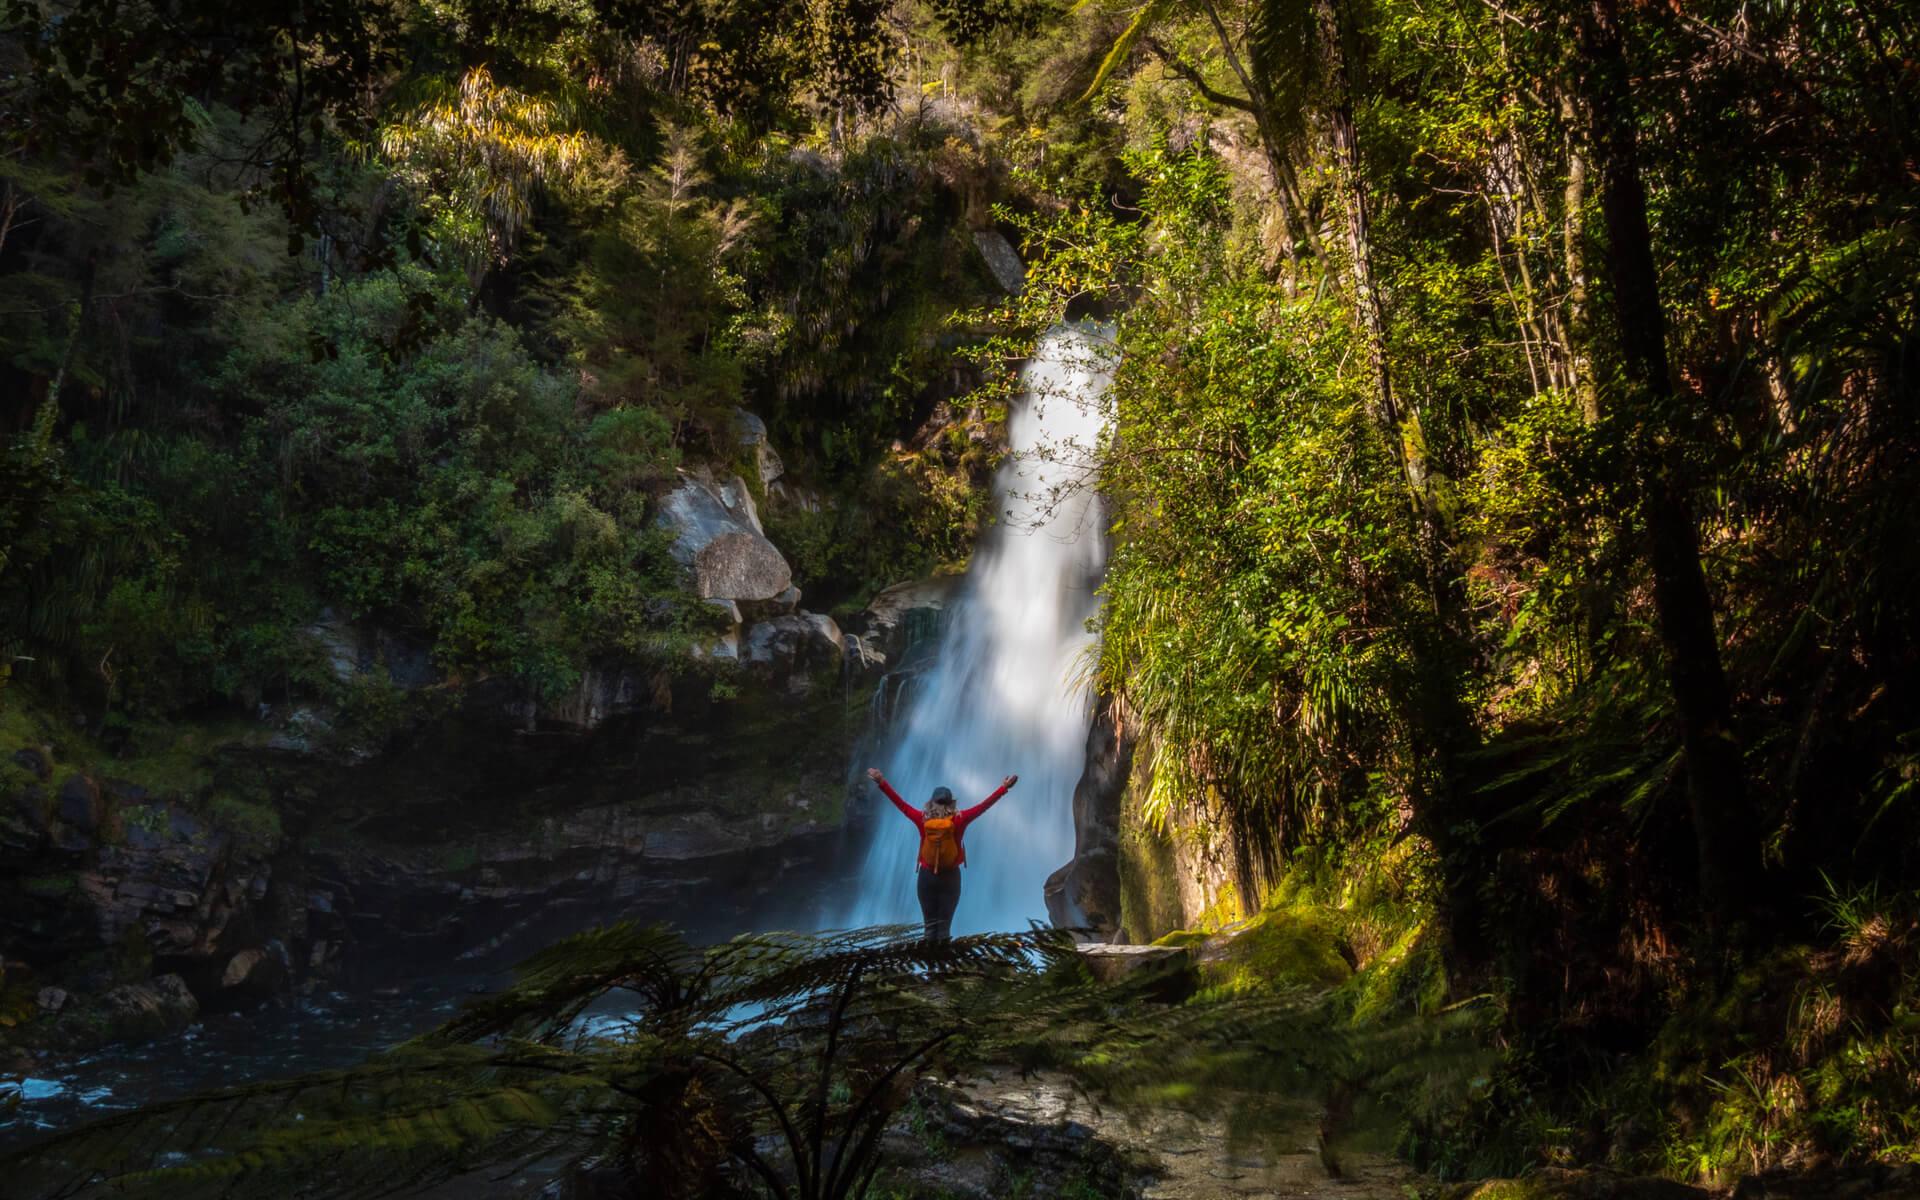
(1004, 693)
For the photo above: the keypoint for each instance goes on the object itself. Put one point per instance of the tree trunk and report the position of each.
(1575, 201)
(1401, 428)
(59, 379)
(1260, 103)
(1725, 838)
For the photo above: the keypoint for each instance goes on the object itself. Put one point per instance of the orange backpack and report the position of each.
(939, 843)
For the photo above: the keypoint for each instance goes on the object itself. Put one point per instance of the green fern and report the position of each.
(805, 1043)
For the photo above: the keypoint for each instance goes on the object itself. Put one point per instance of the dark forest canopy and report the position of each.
(1514, 471)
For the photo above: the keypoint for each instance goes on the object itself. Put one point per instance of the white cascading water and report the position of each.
(1005, 693)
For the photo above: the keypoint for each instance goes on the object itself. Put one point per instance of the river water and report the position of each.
(1003, 694)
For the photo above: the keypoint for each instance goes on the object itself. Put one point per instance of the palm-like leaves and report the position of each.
(773, 1060)
(490, 147)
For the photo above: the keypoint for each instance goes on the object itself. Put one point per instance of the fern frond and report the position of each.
(1150, 14)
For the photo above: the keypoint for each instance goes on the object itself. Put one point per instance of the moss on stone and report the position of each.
(1276, 949)
(255, 824)
(1149, 894)
(1409, 976)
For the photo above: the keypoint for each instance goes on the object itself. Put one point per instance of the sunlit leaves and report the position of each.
(484, 149)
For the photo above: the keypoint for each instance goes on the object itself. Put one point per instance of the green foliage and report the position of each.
(1259, 616)
(769, 1062)
(247, 439)
(651, 303)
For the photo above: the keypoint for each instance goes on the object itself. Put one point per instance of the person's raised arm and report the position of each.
(990, 801)
(909, 811)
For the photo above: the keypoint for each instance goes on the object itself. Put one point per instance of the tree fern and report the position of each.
(812, 1041)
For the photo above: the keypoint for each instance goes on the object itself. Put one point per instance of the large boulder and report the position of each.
(718, 539)
(255, 974)
(137, 1011)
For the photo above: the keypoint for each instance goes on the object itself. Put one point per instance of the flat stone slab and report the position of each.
(1113, 961)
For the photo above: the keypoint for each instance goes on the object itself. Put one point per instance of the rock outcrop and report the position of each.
(794, 650)
(719, 540)
(904, 616)
(1001, 259)
(353, 649)
(1085, 893)
(752, 432)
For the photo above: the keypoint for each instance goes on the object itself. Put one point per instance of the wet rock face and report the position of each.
(905, 616)
(793, 649)
(1085, 893)
(718, 539)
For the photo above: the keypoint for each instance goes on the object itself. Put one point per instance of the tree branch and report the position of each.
(1185, 70)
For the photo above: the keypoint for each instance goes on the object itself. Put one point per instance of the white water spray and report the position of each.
(1005, 694)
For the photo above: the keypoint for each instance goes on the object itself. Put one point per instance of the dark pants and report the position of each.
(939, 896)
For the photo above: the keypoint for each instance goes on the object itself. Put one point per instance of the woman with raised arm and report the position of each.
(941, 852)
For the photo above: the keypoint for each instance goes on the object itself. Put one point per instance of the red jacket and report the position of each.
(960, 819)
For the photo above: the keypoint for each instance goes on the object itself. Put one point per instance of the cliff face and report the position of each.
(1173, 876)
(289, 862)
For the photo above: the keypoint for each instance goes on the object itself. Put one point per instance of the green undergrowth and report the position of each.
(1359, 928)
(174, 760)
(1406, 1054)
(1808, 1056)
(1811, 1055)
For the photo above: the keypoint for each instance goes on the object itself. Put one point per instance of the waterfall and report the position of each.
(1004, 693)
